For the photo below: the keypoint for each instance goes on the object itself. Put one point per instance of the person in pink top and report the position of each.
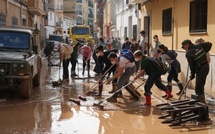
(86, 52)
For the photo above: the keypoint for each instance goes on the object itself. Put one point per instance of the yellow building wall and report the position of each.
(181, 13)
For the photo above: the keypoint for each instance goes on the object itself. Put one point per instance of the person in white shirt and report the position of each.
(65, 55)
(144, 42)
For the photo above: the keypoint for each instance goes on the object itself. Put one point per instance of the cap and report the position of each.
(186, 42)
(161, 46)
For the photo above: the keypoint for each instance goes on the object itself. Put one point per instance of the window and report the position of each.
(24, 22)
(198, 16)
(50, 16)
(80, 30)
(14, 40)
(14, 20)
(135, 31)
(167, 21)
(2, 19)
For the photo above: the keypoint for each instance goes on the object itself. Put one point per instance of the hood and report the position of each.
(12, 55)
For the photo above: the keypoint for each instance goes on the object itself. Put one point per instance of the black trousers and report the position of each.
(201, 76)
(65, 68)
(154, 78)
(73, 60)
(85, 61)
(172, 75)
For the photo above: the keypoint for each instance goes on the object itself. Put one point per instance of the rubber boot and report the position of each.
(148, 101)
(100, 89)
(201, 98)
(169, 87)
(73, 74)
(180, 88)
(169, 95)
(113, 89)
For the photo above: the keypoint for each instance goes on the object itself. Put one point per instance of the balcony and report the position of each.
(79, 13)
(90, 16)
(90, 4)
(59, 24)
(78, 1)
(59, 8)
(35, 7)
(140, 1)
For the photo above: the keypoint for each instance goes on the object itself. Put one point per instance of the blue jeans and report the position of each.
(123, 80)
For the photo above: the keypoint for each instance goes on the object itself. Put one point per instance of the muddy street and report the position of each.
(49, 110)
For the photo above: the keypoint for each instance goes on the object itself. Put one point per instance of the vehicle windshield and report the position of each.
(14, 40)
(56, 38)
(80, 30)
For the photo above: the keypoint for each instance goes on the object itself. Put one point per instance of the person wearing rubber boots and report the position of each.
(125, 69)
(86, 52)
(153, 77)
(169, 56)
(104, 65)
(199, 67)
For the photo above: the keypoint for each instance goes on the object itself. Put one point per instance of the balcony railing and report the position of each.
(78, 12)
(90, 15)
(36, 7)
(90, 4)
(59, 24)
(78, 1)
(60, 8)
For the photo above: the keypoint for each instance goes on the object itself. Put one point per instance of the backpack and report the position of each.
(126, 45)
(172, 54)
(127, 54)
(159, 65)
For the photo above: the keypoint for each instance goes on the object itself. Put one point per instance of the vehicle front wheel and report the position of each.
(26, 88)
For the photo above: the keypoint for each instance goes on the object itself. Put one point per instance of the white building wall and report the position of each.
(67, 23)
(50, 28)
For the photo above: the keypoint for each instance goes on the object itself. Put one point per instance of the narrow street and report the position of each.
(49, 111)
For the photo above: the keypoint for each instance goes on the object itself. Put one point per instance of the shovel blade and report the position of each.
(98, 106)
(82, 98)
(77, 102)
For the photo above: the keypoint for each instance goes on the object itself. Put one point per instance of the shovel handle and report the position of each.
(184, 89)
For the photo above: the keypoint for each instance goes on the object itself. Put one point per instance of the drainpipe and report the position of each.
(7, 7)
(173, 32)
(173, 12)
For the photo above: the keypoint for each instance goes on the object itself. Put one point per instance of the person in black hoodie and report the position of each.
(199, 67)
(104, 65)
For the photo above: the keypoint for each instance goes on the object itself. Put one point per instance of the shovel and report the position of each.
(184, 89)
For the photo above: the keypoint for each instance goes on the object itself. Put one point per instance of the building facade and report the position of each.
(121, 19)
(176, 20)
(23, 13)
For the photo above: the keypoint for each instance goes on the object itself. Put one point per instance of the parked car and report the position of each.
(20, 60)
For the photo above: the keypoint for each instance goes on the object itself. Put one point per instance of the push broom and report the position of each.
(101, 107)
(81, 97)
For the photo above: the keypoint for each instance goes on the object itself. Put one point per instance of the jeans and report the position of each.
(123, 80)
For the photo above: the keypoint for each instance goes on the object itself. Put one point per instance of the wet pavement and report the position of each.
(49, 110)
